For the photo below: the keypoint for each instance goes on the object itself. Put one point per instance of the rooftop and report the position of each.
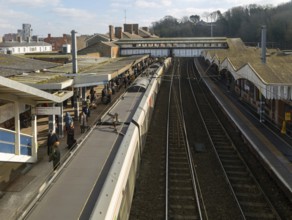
(276, 70)
(51, 76)
(13, 65)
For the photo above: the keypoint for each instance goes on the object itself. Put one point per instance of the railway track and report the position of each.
(225, 187)
(251, 200)
(182, 194)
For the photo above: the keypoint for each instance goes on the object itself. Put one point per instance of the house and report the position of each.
(58, 42)
(104, 44)
(22, 47)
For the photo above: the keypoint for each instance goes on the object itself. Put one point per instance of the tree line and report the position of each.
(243, 22)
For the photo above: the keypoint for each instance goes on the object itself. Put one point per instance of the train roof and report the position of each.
(139, 85)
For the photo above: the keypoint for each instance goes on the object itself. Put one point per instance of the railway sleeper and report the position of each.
(182, 210)
(241, 178)
(185, 198)
(178, 158)
(181, 181)
(245, 190)
(262, 215)
(254, 204)
(220, 138)
(224, 147)
(226, 150)
(219, 135)
(229, 163)
(249, 196)
(233, 160)
(221, 142)
(239, 167)
(177, 163)
(247, 186)
(243, 173)
(240, 181)
(228, 156)
(180, 174)
(184, 188)
(175, 145)
(179, 169)
(184, 217)
(177, 152)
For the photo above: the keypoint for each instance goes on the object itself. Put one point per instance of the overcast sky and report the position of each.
(94, 16)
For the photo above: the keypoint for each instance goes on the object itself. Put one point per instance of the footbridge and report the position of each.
(174, 47)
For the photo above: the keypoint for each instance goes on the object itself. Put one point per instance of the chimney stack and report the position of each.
(111, 32)
(264, 43)
(118, 32)
(136, 29)
(145, 29)
(128, 28)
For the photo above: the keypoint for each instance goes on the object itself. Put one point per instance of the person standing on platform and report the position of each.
(83, 122)
(109, 94)
(104, 95)
(68, 119)
(49, 143)
(70, 136)
(55, 154)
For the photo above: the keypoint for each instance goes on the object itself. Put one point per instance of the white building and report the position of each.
(16, 47)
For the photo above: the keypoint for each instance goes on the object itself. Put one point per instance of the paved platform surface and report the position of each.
(20, 183)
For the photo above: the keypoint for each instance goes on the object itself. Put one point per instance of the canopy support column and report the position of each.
(34, 144)
(17, 128)
(61, 121)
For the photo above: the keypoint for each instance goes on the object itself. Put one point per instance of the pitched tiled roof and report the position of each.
(277, 69)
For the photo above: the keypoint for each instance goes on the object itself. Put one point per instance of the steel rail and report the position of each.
(241, 203)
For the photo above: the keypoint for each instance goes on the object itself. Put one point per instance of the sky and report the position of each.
(59, 17)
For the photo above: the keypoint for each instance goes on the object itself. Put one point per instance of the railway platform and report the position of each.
(273, 150)
(23, 182)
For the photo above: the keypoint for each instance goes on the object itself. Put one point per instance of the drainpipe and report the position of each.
(263, 58)
(264, 42)
(74, 52)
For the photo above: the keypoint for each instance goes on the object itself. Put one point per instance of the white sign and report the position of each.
(48, 110)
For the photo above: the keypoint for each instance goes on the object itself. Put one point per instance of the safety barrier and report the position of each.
(8, 140)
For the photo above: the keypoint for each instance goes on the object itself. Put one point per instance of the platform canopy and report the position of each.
(11, 90)
(272, 78)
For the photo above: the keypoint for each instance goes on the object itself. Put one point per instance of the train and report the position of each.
(115, 198)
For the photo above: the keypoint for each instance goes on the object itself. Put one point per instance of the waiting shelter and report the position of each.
(15, 146)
